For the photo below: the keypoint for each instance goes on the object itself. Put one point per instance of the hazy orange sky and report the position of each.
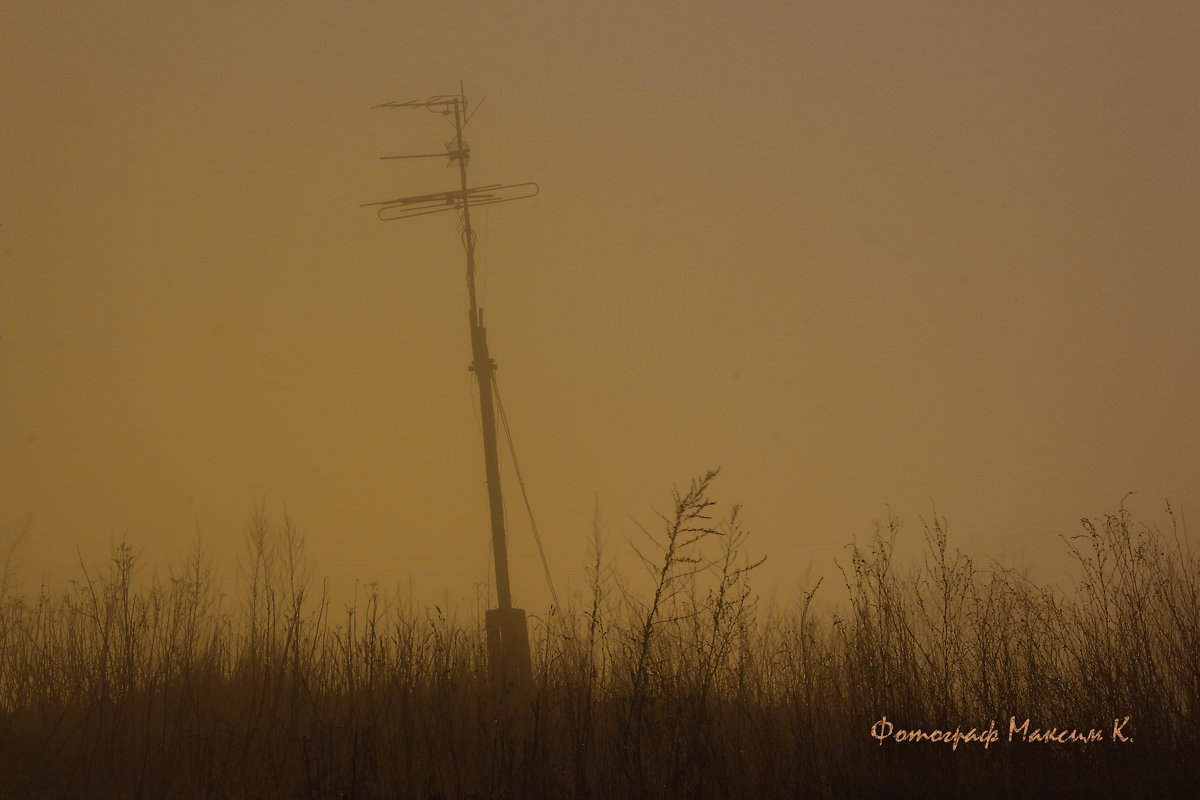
(858, 255)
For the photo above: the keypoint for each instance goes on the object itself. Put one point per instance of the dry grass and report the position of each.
(690, 690)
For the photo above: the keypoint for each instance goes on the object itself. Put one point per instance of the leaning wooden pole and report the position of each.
(507, 631)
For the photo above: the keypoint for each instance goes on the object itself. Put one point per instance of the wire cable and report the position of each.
(524, 494)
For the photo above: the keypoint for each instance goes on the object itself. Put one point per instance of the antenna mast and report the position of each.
(507, 633)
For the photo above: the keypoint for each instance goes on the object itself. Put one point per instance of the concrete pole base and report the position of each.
(508, 650)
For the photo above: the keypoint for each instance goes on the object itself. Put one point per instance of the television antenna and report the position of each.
(507, 629)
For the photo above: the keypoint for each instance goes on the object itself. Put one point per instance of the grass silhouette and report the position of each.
(695, 690)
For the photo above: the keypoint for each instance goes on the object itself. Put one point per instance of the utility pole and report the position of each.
(507, 632)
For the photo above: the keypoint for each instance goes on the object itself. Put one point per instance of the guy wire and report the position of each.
(524, 494)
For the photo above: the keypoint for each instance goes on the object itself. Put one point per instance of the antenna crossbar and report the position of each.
(421, 204)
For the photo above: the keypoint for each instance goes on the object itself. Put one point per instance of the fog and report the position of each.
(867, 259)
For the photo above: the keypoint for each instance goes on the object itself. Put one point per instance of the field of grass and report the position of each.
(697, 689)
